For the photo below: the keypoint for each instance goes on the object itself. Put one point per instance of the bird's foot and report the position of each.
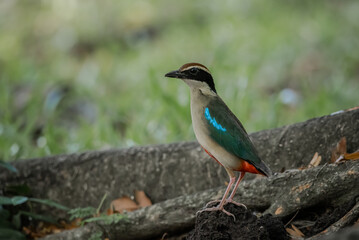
(211, 209)
(235, 203)
(211, 202)
(228, 200)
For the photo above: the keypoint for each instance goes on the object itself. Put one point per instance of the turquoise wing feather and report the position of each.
(227, 131)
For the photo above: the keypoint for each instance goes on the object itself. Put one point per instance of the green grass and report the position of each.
(76, 76)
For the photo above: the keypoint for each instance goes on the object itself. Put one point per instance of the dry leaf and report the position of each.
(278, 211)
(43, 229)
(339, 150)
(315, 160)
(142, 199)
(339, 153)
(351, 156)
(294, 231)
(313, 163)
(291, 232)
(124, 203)
(109, 211)
(297, 231)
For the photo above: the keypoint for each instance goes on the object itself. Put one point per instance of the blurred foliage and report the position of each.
(78, 75)
(16, 212)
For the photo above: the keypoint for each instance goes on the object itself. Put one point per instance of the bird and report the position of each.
(219, 132)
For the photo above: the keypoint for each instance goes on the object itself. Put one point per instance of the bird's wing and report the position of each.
(227, 131)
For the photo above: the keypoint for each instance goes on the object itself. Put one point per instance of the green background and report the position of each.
(89, 75)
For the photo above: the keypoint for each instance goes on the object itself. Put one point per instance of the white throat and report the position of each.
(197, 86)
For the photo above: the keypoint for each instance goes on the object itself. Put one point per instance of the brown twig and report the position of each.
(291, 219)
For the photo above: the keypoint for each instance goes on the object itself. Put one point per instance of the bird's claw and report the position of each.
(216, 209)
(209, 203)
(226, 202)
(235, 203)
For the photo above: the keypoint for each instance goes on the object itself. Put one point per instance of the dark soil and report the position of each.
(316, 219)
(217, 225)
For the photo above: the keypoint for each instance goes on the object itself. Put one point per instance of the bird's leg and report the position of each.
(230, 199)
(221, 204)
(225, 194)
(219, 201)
(231, 181)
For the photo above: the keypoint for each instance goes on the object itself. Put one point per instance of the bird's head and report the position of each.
(195, 75)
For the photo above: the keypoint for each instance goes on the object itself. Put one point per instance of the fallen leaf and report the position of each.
(294, 231)
(278, 211)
(43, 229)
(297, 230)
(124, 203)
(339, 153)
(109, 211)
(351, 156)
(339, 150)
(26, 230)
(142, 199)
(315, 160)
(291, 232)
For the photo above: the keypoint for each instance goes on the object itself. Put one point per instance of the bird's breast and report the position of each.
(201, 129)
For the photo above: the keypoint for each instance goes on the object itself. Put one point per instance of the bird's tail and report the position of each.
(265, 170)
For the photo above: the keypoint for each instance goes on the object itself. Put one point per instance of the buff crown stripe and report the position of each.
(192, 65)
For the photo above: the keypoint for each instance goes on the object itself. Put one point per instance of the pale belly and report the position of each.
(198, 105)
(225, 158)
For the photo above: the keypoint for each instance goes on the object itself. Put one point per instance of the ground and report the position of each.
(217, 225)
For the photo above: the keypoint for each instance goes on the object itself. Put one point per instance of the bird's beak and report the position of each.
(175, 74)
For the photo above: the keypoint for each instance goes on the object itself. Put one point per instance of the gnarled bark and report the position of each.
(280, 195)
(169, 171)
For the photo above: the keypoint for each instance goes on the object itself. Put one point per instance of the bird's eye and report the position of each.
(193, 71)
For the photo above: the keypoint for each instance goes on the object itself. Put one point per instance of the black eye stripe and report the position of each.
(194, 70)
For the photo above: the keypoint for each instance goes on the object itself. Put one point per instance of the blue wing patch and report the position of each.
(213, 121)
